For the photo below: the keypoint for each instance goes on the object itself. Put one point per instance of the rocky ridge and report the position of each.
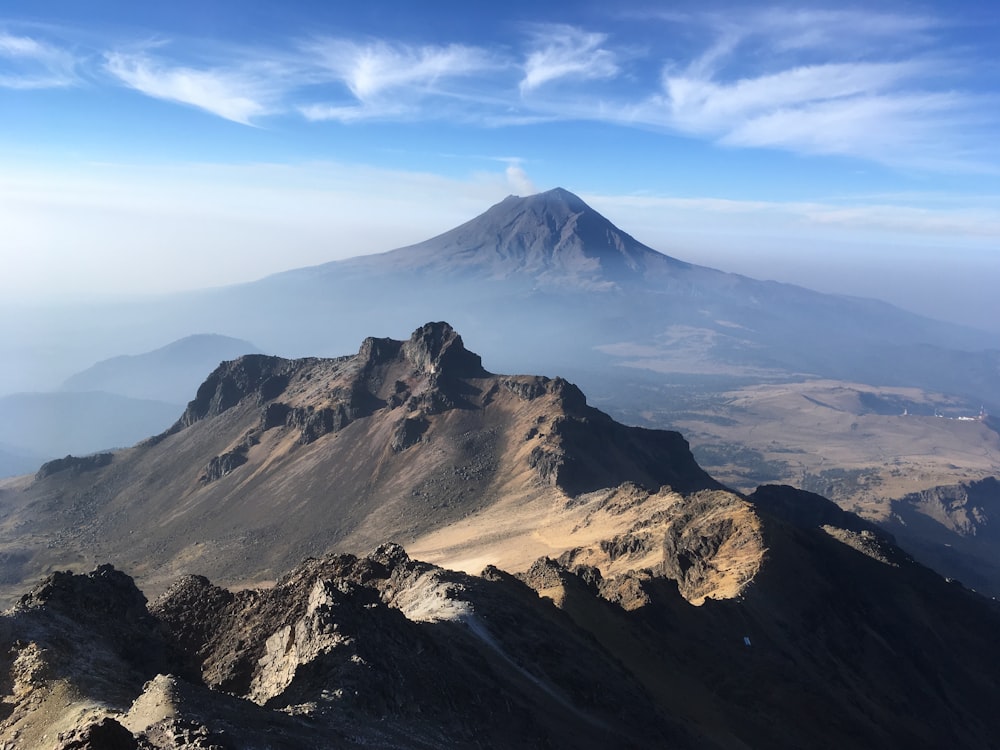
(825, 646)
(404, 440)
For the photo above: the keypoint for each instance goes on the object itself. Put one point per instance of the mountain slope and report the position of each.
(278, 458)
(834, 645)
(554, 239)
(546, 283)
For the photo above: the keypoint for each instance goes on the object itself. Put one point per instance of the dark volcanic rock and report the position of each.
(827, 649)
(107, 601)
(809, 510)
(233, 381)
(106, 734)
(74, 463)
(403, 644)
(438, 349)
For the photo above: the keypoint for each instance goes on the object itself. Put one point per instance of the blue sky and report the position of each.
(148, 147)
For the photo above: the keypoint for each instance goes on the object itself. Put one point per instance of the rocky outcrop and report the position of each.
(809, 510)
(436, 349)
(343, 652)
(402, 641)
(223, 464)
(105, 734)
(74, 463)
(965, 509)
(256, 375)
(954, 529)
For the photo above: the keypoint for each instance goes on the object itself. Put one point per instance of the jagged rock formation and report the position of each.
(275, 459)
(73, 463)
(342, 652)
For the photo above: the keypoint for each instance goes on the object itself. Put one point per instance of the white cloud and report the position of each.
(567, 52)
(519, 181)
(897, 127)
(237, 95)
(859, 83)
(860, 109)
(27, 63)
(371, 69)
(389, 80)
(704, 105)
(851, 83)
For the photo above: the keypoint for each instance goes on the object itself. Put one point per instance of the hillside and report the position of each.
(275, 459)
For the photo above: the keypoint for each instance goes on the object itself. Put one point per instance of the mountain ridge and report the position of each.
(412, 435)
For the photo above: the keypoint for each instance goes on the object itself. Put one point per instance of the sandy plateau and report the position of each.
(859, 445)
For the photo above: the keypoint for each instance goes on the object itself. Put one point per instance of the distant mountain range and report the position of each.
(624, 596)
(170, 373)
(546, 284)
(113, 404)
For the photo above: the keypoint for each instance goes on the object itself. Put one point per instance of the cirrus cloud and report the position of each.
(239, 95)
(562, 51)
(29, 63)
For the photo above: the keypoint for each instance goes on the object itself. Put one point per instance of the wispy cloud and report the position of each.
(237, 94)
(842, 31)
(29, 63)
(851, 83)
(562, 51)
(880, 86)
(371, 69)
(867, 110)
(390, 80)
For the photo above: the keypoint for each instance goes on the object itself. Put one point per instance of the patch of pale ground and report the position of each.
(812, 427)
(54, 708)
(515, 532)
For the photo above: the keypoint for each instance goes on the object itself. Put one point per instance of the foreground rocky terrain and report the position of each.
(835, 640)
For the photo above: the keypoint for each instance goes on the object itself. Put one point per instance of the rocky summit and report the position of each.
(401, 549)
